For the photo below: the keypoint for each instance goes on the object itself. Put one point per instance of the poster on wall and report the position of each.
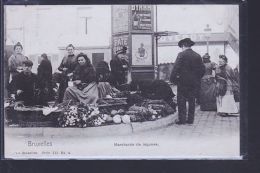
(118, 42)
(120, 18)
(141, 17)
(142, 50)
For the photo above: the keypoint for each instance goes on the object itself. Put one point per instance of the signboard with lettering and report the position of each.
(120, 18)
(196, 37)
(142, 17)
(118, 42)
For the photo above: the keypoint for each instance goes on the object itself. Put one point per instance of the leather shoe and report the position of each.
(189, 122)
(179, 122)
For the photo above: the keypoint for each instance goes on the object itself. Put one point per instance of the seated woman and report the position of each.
(84, 87)
(104, 80)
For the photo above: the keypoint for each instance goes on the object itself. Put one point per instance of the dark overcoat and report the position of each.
(118, 72)
(45, 82)
(187, 72)
(26, 83)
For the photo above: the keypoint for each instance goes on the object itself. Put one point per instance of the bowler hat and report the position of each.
(186, 41)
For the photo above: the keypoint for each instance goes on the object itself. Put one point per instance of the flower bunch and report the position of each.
(74, 116)
(80, 116)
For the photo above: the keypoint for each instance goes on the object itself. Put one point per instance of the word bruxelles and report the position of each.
(135, 144)
(39, 144)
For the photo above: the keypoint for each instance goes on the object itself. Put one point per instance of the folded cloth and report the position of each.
(47, 110)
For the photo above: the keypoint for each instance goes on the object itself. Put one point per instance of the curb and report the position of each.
(109, 130)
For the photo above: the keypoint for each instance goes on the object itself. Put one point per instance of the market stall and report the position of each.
(123, 107)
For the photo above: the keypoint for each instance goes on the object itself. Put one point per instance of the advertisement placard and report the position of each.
(142, 50)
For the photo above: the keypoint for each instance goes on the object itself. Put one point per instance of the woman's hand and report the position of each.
(18, 92)
(70, 74)
(55, 90)
(76, 82)
(19, 69)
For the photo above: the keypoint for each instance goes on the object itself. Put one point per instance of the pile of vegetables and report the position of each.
(114, 111)
(90, 116)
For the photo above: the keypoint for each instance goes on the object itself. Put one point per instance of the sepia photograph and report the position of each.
(122, 82)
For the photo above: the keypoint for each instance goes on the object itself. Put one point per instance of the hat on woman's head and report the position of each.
(223, 57)
(44, 55)
(186, 42)
(28, 63)
(122, 51)
(70, 45)
(18, 44)
(206, 56)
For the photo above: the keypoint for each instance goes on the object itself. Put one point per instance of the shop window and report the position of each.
(96, 58)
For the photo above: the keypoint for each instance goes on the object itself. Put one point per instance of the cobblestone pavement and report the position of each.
(206, 123)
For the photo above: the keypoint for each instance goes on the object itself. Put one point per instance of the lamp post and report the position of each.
(207, 30)
(157, 36)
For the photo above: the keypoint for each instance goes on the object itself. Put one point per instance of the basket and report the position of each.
(33, 118)
(22, 123)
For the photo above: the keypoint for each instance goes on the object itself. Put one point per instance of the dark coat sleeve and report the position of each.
(201, 69)
(114, 65)
(60, 68)
(12, 87)
(176, 69)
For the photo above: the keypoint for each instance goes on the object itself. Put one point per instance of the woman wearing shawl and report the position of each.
(119, 68)
(15, 62)
(225, 100)
(207, 97)
(45, 83)
(84, 87)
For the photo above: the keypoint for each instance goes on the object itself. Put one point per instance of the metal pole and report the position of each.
(207, 45)
(156, 41)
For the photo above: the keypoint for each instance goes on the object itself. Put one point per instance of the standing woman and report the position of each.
(236, 90)
(225, 100)
(119, 68)
(15, 62)
(207, 97)
(85, 88)
(67, 66)
(45, 84)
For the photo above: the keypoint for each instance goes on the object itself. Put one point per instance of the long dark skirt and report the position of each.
(207, 98)
(89, 95)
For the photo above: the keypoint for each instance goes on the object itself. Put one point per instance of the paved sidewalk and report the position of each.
(206, 123)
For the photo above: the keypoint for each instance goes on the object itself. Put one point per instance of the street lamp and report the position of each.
(207, 35)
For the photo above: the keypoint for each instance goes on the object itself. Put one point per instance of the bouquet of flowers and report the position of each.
(79, 116)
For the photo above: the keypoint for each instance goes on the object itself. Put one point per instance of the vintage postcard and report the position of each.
(121, 81)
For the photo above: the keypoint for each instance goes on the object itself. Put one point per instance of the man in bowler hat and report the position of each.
(187, 73)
